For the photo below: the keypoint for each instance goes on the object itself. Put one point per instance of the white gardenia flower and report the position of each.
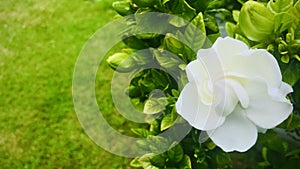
(234, 92)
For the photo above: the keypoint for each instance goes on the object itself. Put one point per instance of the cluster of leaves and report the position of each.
(204, 18)
(187, 154)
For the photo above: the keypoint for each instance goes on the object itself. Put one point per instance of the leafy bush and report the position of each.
(264, 24)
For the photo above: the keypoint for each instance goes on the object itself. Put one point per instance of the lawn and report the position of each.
(40, 41)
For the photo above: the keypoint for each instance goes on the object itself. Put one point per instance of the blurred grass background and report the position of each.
(39, 44)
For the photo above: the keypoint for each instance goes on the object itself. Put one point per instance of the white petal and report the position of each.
(228, 47)
(285, 88)
(200, 116)
(240, 92)
(255, 63)
(265, 110)
(237, 133)
(197, 72)
(211, 62)
(225, 99)
(280, 93)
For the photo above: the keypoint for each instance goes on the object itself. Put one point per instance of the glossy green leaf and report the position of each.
(134, 42)
(185, 163)
(211, 23)
(243, 39)
(152, 161)
(236, 14)
(230, 28)
(135, 163)
(123, 8)
(182, 9)
(155, 105)
(291, 74)
(155, 127)
(175, 154)
(195, 33)
(172, 44)
(158, 143)
(169, 120)
(159, 78)
(141, 132)
(175, 93)
(166, 60)
(178, 22)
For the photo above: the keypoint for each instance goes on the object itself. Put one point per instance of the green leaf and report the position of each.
(280, 6)
(122, 7)
(182, 9)
(285, 58)
(211, 23)
(282, 10)
(283, 21)
(175, 154)
(166, 60)
(137, 103)
(230, 28)
(213, 37)
(172, 44)
(134, 42)
(185, 163)
(154, 127)
(291, 123)
(235, 15)
(140, 132)
(159, 78)
(169, 120)
(243, 39)
(158, 143)
(175, 93)
(195, 33)
(152, 161)
(296, 10)
(135, 163)
(177, 22)
(155, 105)
(291, 73)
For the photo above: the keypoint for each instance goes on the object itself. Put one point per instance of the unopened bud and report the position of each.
(123, 8)
(121, 61)
(256, 21)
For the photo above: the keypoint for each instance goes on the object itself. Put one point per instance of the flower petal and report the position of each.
(255, 63)
(190, 107)
(266, 110)
(225, 99)
(211, 63)
(237, 132)
(240, 92)
(228, 47)
(196, 71)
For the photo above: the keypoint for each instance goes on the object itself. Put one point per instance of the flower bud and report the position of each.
(144, 3)
(123, 8)
(256, 21)
(121, 62)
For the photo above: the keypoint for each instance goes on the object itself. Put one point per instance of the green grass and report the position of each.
(39, 44)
